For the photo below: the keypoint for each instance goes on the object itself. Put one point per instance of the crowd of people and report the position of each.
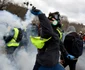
(48, 41)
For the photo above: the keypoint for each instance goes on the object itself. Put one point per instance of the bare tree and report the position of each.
(3, 4)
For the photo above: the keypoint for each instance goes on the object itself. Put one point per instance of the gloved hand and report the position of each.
(35, 11)
(71, 57)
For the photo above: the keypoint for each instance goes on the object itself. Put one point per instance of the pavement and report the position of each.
(81, 62)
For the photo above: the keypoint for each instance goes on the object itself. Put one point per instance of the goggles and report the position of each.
(55, 16)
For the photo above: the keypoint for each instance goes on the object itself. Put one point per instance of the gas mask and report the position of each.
(55, 15)
(54, 23)
(55, 18)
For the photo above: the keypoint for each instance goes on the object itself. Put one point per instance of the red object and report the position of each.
(84, 38)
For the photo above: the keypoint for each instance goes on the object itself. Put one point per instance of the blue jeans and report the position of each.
(56, 67)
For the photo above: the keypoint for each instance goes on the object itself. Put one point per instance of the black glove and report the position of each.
(35, 11)
(4, 37)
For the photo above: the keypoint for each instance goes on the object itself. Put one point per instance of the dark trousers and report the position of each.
(56, 67)
(71, 63)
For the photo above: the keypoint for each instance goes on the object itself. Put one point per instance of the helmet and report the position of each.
(56, 16)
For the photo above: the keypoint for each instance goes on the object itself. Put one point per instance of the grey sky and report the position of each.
(73, 9)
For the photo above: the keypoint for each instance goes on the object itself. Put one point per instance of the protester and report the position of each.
(12, 39)
(84, 38)
(58, 30)
(81, 34)
(74, 46)
(48, 44)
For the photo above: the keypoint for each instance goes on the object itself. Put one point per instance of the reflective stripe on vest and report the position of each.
(13, 40)
(60, 33)
(38, 42)
(16, 33)
(12, 43)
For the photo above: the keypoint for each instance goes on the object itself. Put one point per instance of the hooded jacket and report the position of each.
(69, 40)
(49, 55)
(70, 29)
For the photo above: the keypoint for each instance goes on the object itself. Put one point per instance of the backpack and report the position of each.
(74, 44)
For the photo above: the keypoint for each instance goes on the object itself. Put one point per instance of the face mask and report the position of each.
(54, 22)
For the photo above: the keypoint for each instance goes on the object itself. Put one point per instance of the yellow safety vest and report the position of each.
(38, 42)
(60, 33)
(13, 40)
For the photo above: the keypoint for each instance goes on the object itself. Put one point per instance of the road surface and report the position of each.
(80, 63)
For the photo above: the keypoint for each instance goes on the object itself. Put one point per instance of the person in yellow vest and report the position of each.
(12, 39)
(47, 43)
(56, 23)
(57, 26)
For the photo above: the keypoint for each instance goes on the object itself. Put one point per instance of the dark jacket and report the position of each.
(11, 35)
(68, 41)
(49, 54)
(62, 47)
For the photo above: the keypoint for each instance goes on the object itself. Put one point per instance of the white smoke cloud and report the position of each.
(24, 58)
(10, 19)
(5, 63)
(29, 17)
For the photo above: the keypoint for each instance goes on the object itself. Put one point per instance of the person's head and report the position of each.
(55, 19)
(36, 21)
(71, 29)
(80, 32)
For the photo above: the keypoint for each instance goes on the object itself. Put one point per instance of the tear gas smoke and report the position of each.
(25, 57)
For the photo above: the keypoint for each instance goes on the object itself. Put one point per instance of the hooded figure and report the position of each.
(69, 39)
(70, 29)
